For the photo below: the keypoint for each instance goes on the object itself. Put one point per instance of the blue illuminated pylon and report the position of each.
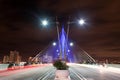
(64, 47)
(62, 43)
(64, 50)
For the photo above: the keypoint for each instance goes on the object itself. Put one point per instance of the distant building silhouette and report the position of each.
(30, 59)
(5, 59)
(13, 58)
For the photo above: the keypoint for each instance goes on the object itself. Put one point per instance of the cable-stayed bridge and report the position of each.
(65, 50)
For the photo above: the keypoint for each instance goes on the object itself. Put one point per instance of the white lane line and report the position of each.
(79, 76)
(47, 74)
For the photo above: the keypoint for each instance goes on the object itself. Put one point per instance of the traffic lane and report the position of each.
(95, 73)
(29, 74)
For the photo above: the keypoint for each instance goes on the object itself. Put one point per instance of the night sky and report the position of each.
(20, 27)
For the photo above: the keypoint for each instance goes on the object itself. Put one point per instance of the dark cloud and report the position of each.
(20, 27)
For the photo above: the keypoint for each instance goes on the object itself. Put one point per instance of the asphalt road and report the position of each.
(77, 72)
(34, 73)
(91, 72)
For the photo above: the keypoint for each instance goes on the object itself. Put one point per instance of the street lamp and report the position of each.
(81, 21)
(44, 23)
(57, 50)
(54, 44)
(68, 50)
(71, 44)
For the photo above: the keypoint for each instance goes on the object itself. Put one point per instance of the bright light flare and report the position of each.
(81, 21)
(68, 50)
(71, 44)
(54, 44)
(44, 22)
(57, 50)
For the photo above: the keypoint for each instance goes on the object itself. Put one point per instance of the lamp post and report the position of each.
(58, 34)
(80, 22)
(45, 23)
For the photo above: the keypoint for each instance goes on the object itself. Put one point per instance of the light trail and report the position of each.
(77, 72)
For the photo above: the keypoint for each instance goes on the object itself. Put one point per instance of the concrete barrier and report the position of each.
(4, 66)
(113, 65)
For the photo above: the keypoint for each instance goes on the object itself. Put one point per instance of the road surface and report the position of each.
(77, 72)
(33, 73)
(91, 72)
